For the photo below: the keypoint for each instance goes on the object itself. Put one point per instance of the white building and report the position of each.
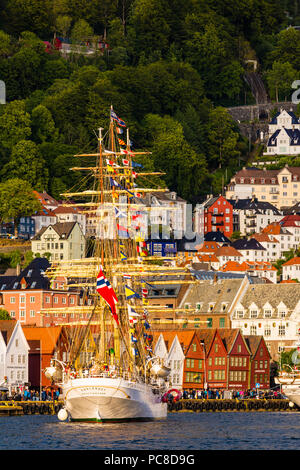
(173, 357)
(270, 310)
(64, 241)
(70, 214)
(14, 350)
(284, 134)
(291, 269)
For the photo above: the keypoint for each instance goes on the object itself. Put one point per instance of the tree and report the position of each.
(280, 79)
(4, 315)
(43, 126)
(222, 137)
(14, 124)
(185, 169)
(81, 31)
(5, 44)
(26, 163)
(16, 200)
(63, 24)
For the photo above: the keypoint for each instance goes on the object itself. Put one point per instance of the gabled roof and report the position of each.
(44, 212)
(184, 337)
(290, 220)
(228, 337)
(45, 198)
(292, 262)
(275, 228)
(208, 247)
(253, 342)
(244, 244)
(253, 204)
(47, 335)
(263, 238)
(63, 229)
(7, 327)
(32, 276)
(217, 237)
(234, 266)
(227, 251)
(65, 210)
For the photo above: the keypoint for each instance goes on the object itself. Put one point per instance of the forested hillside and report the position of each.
(170, 69)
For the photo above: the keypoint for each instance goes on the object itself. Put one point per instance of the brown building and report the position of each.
(260, 362)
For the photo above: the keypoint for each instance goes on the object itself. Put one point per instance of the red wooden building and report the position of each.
(218, 215)
(194, 365)
(260, 362)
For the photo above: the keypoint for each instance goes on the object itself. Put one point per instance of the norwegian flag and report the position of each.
(107, 293)
(125, 162)
(134, 174)
(145, 292)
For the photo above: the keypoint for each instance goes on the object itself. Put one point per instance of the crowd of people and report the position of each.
(29, 395)
(225, 394)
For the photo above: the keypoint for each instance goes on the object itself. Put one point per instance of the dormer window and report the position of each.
(253, 314)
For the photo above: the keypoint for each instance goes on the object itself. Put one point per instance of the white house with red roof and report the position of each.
(291, 269)
(70, 214)
(43, 218)
(283, 235)
(262, 270)
(228, 253)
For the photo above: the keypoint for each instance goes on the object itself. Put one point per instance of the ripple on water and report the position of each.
(180, 431)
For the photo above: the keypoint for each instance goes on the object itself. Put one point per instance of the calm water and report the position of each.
(180, 431)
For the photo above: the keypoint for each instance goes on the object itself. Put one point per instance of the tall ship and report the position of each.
(111, 373)
(289, 378)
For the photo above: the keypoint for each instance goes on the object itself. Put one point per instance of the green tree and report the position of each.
(185, 169)
(14, 124)
(81, 31)
(280, 79)
(4, 315)
(16, 200)
(222, 138)
(30, 15)
(148, 29)
(63, 24)
(287, 49)
(5, 44)
(43, 126)
(26, 163)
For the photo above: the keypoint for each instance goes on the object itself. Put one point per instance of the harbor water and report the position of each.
(180, 431)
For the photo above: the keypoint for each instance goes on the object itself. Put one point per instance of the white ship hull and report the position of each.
(111, 399)
(292, 392)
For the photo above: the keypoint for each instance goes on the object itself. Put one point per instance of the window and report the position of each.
(12, 300)
(253, 330)
(194, 347)
(209, 323)
(190, 363)
(222, 323)
(281, 330)
(32, 300)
